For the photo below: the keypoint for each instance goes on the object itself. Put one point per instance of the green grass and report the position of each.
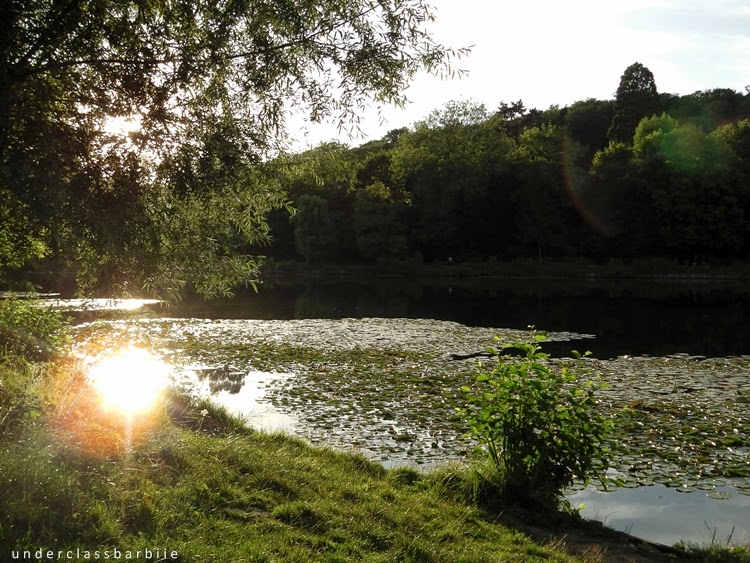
(210, 489)
(715, 553)
(238, 497)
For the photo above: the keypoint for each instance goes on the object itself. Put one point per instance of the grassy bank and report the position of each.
(242, 498)
(198, 483)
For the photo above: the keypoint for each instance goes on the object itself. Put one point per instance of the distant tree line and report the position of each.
(643, 175)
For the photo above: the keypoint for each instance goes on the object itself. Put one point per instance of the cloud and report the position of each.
(708, 20)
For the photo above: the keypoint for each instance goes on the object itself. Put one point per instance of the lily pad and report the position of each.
(705, 486)
(719, 495)
(685, 489)
(351, 375)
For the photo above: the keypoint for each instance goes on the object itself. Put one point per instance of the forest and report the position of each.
(644, 175)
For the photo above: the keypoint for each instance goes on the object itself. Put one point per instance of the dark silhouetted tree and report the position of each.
(378, 224)
(313, 229)
(588, 122)
(635, 99)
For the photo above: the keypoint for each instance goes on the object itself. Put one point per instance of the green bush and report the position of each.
(537, 422)
(29, 329)
(28, 333)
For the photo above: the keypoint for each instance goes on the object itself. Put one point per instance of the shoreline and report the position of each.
(641, 270)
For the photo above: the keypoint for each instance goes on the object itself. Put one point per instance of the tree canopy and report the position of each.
(176, 200)
(469, 184)
(198, 190)
(635, 99)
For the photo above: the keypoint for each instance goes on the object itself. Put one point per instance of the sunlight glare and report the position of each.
(122, 126)
(130, 380)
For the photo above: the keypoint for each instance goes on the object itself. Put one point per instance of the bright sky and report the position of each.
(549, 52)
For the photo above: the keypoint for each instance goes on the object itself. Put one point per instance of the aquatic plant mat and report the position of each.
(388, 388)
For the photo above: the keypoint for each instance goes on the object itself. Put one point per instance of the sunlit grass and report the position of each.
(241, 496)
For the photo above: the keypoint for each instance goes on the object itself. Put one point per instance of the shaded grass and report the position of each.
(716, 553)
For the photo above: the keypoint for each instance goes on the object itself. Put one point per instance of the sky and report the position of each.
(555, 52)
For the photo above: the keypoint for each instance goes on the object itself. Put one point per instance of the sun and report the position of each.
(129, 380)
(122, 126)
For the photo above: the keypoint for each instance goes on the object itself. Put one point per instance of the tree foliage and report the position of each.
(378, 223)
(588, 121)
(545, 166)
(19, 243)
(210, 84)
(635, 99)
(448, 163)
(737, 136)
(469, 185)
(313, 229)
(698, 207)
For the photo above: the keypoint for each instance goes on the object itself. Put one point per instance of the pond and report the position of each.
(368, 367)
(633, 317)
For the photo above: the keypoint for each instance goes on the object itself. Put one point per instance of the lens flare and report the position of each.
(594, 215)
(129, 380)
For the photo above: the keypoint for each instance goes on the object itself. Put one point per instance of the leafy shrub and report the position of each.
(29, 329)
(536, 421)
(28, 333)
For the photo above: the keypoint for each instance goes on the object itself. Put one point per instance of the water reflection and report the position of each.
(243, 396)
(251, 404)
(92, 304)
(663, 515)
(627, 317)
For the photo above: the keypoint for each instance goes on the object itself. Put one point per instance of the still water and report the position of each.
(615, 321)
(666, 516)
(625, 317)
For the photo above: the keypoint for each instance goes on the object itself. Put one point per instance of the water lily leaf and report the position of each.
(685, 489)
